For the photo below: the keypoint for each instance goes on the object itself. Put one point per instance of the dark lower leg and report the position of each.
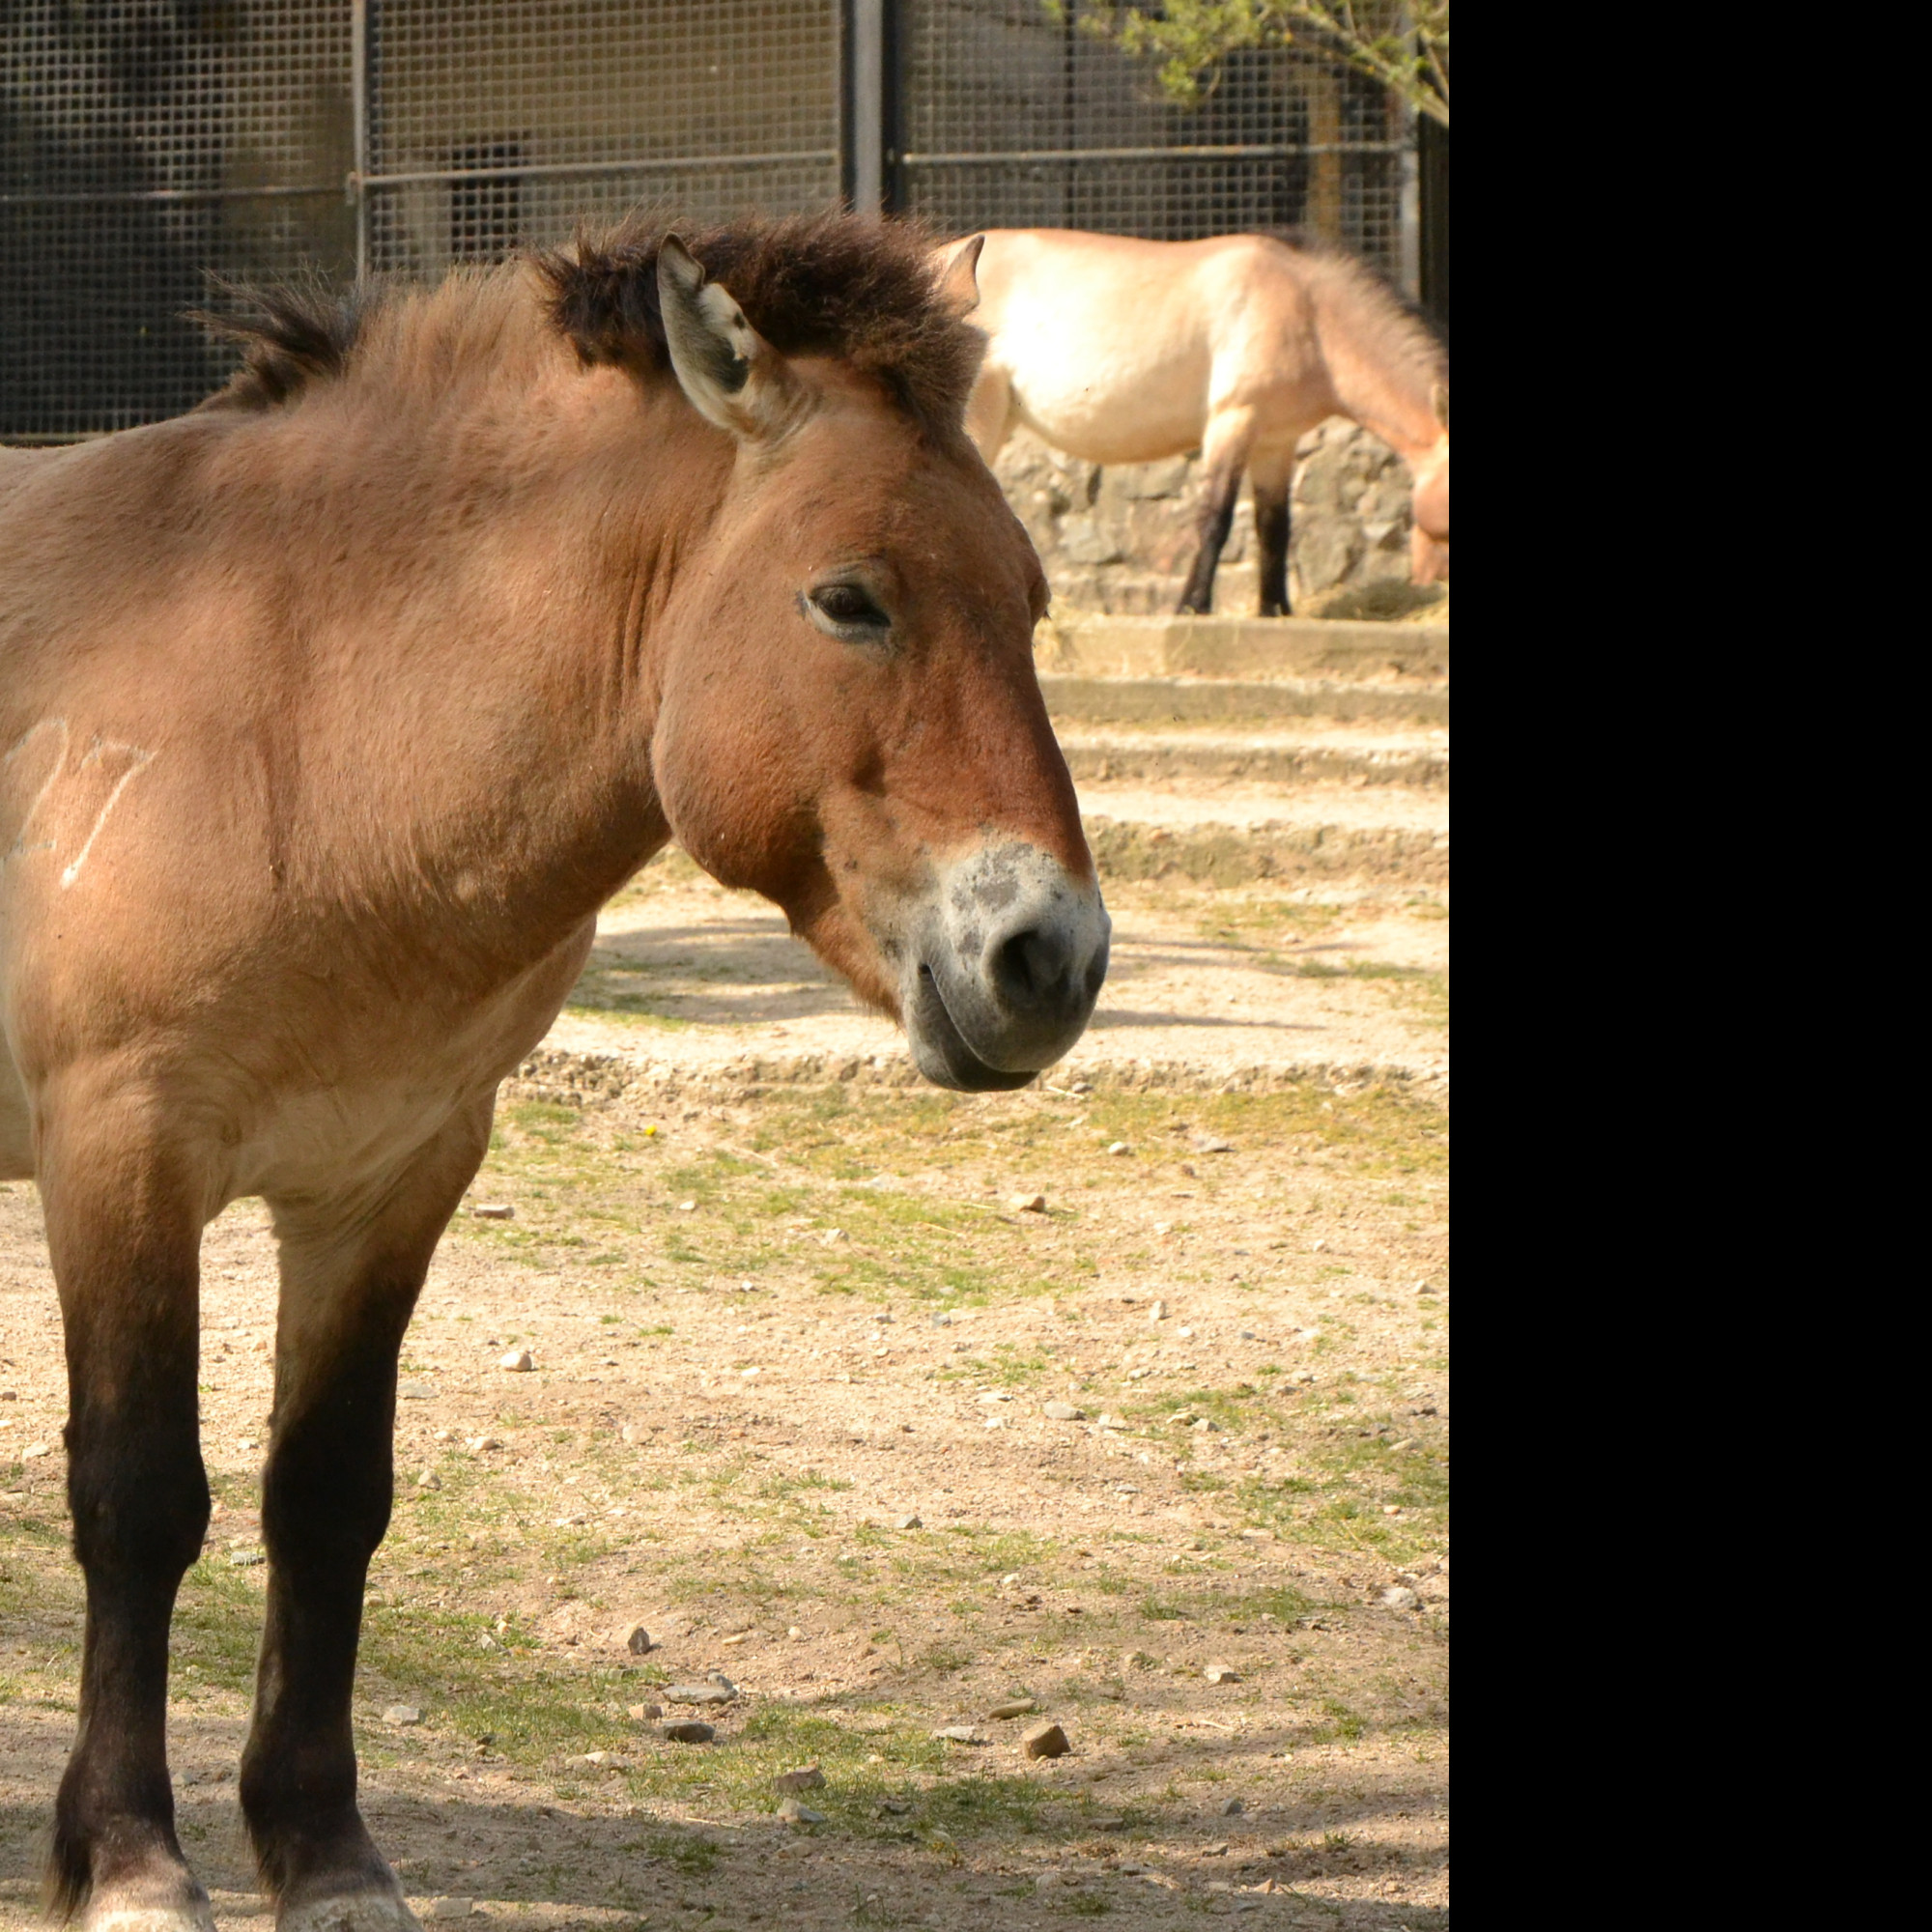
(325, 1503)
(1271, 532)
(139, 1501)
(1217, 515)
(326, 1499)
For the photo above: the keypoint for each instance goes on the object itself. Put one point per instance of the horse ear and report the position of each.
(728, 372)
(957, 279)
(1438, 401)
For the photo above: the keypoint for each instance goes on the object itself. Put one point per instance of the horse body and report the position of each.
(1122, 350)
(330, 715)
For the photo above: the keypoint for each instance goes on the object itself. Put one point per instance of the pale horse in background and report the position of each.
(1122, 350)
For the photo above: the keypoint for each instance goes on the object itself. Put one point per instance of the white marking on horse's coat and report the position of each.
(92, 757)
(13, 750)
(99, 752)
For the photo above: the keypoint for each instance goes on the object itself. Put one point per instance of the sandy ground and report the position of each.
(789, 1409)
(1214, 802)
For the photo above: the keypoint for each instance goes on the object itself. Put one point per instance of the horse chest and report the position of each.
(372, 1097)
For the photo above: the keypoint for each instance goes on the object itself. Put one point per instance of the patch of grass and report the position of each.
(1350, 969)
(687, 1851)
(543, 1121)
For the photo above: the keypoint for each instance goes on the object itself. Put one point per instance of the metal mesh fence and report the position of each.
(497, 121)
(144, 143)
(1014, 119)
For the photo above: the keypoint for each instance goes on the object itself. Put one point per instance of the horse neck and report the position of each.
(543, 540)
(1379, 378)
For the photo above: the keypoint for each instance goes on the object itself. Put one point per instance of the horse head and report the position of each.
(1429, 541)
(849, 720)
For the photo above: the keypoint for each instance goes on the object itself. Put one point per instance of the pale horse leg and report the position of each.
(989, 412)
(1224, 455)
(1271, 474)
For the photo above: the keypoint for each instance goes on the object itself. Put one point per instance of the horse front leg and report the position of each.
(1224, 455)
(124, 1219)
(351, 1268)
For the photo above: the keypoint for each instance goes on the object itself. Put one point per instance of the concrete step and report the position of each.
(1090, 643)
(1380, 836)
(1175, 700)
(1177, 753)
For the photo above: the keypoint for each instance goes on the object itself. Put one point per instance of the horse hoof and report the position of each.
(376, 1911)
(131, 1908)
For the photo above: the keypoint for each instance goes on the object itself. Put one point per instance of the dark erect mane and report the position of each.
(289, 336)
(838, 285)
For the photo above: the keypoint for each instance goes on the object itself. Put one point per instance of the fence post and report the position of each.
(1408, 206)
(359, 94)
(871, 141)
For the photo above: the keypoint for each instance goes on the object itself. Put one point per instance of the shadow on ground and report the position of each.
(537, 1862)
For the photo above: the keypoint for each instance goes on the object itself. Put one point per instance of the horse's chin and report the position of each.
(940, 1052)
(1428, 558)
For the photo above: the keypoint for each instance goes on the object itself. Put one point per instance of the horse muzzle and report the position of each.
(1008, 963)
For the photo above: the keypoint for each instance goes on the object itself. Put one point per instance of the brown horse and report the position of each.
(330, 714)
(1122, 350)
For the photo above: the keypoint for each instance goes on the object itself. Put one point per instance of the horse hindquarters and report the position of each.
(124, 1219)
(351, 1268)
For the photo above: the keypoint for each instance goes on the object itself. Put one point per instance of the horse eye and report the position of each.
(849, 607)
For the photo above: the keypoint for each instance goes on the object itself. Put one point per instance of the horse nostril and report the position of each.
(1031, 968)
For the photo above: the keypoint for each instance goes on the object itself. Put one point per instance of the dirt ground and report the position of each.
(792, 1355)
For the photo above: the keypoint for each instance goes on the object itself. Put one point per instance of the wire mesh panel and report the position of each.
(1015, 118)
(493, 122)
(142, 143)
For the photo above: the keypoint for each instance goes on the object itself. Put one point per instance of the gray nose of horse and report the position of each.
(1009, 965)
(1033, 973)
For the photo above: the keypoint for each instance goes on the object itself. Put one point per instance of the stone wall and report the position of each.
(1122, 538)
